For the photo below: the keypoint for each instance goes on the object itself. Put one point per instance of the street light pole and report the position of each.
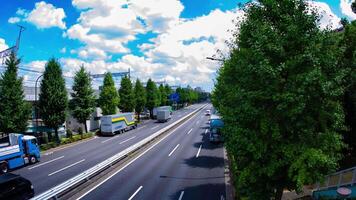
(36, 104)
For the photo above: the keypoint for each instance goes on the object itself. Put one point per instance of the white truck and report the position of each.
(163, 115)
(156, 109)
(119, 123)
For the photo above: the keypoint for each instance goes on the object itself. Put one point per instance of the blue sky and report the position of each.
(166, 40)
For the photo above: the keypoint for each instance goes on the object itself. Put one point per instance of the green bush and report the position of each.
(65, 140)
(69, 133)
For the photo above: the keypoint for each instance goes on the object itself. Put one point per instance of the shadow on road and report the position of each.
(202, 191)
(205, 162)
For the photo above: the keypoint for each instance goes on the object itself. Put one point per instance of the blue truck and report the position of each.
(216, 124)
(17, 150)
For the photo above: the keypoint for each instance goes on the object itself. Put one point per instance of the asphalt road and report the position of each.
(184, 165)
(60, 165)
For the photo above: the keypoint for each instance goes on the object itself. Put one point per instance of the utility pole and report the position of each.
(22, 28)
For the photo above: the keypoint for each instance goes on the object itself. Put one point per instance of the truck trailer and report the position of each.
(163, 115)
(17, 150)
(119, 123)
(156, 109)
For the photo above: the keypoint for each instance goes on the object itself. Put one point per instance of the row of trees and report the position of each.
(281, 94)
(53, 101)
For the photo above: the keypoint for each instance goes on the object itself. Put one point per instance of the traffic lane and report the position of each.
(94, 143)
(197, 172)
(71, 163)
(145, 171)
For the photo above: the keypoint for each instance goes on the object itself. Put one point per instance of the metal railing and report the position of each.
(56, 191)
(341, 178)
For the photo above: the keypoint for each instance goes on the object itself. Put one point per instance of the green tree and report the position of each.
(153, 98)
(163, 95)
(15, 111)
(126, 93)
(83, 100)
(109, 97)
(140, 98)
(348, 62)
(279, 96)
(53, 98)
(168, 89)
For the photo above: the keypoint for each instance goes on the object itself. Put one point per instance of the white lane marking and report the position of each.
(49, 153)
(134, 194)
(127, 140)
(139, 156)
(64, 168)
(189, 131)
(107, 140)
(155, 127)
(198, 122)
(181, 195)
(173, 150)
(141, 127)
(198, 151)
(206, 130)
(46, 162)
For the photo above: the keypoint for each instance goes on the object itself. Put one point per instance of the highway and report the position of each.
(61, 164)
(182, 165)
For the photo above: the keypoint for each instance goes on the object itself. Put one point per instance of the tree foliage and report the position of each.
(83, 100)
(279, 96)
(14, 110)
(153, 97)
(53, 98)
(140, 97)
(127, 98)
(109, 97)
(348, 62)
(163, 95)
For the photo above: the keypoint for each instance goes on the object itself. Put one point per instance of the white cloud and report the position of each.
(45, 15)
(14, 20)
(345, 6)
(63, 50)
(3, 45)
(93, 53)
(327, 18)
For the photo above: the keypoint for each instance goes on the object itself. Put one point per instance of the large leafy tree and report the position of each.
(109, 97)
(278, 94)
(53, 98)
(83, 100)
(14, 110)
(348, 62)
(152, 94)
(126, 93)
(140, 97)
(163, 95)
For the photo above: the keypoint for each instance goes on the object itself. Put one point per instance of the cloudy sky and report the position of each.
(162, 39)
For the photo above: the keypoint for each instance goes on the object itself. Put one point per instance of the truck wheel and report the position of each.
(4, 168)
(33, 159)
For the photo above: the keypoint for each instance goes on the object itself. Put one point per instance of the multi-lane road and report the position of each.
(181, 165)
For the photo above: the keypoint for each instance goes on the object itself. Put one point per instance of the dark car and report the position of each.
(13, 186)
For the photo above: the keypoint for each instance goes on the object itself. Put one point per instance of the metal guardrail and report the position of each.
(339, 179)
(86, 175)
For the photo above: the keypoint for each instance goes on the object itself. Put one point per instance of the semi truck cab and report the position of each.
(17, 150)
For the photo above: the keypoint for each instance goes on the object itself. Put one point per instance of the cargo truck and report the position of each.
(17, 150)
(216, 124)
(156, 109)
(163, 115)
(119, 123)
